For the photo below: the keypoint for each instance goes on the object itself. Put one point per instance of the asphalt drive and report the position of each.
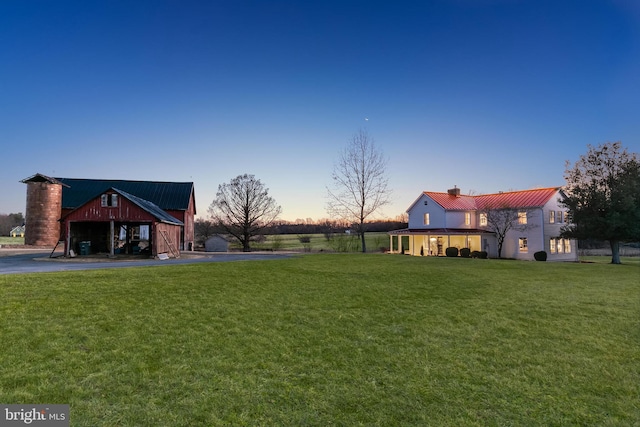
(38, 261)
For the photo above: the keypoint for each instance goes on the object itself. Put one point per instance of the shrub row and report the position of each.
(479, 254)
(465, 253)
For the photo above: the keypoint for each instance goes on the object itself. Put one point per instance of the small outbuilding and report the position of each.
(216, 243)
(17, 231)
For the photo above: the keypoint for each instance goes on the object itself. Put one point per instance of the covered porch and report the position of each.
(435, 242)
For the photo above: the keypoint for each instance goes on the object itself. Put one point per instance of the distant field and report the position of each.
(328, 339)
(625, 250)
(376, 242)
(6, 240)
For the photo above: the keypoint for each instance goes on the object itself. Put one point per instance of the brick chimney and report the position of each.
(455, 191)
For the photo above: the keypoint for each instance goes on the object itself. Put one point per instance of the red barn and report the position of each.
(117, 216)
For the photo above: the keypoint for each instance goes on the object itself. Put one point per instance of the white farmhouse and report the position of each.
(441, 220)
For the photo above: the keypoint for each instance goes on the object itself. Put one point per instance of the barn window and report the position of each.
(109, 200)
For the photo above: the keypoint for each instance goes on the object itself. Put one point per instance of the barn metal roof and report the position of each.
(150, 207)
(165, 195)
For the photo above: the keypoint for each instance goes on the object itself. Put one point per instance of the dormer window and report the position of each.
(109, 200)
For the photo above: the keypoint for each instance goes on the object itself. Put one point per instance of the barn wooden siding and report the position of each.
(187, 217)
(172, 233)
(125, 211)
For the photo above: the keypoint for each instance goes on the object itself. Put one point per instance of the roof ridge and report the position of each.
(123, 180)
(519, 191)
(496, 193)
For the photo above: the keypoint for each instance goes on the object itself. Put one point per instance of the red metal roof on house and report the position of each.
(512, 199)
(451, 202)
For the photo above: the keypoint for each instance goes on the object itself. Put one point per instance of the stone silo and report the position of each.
(44, 207)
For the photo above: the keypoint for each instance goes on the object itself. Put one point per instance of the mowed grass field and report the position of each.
(7, 240)
(329, 339)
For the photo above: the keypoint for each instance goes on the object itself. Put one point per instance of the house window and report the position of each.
(109, 200)
(559, 217)
(558, 246)
(483, 219)
(523, 245)
(552, 217)
(426, 219)
(522, 217)
(467, 218)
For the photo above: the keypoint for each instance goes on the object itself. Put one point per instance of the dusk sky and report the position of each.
(487, 95)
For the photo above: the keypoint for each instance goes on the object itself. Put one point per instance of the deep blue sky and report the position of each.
(486, 95)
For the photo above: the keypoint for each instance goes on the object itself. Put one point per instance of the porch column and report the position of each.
(390, 243)
(67, 245)
(111, 237)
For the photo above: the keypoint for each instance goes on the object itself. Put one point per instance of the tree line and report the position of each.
(205, 228)
(9, 221)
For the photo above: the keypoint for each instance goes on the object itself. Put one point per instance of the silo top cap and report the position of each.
(42, 178)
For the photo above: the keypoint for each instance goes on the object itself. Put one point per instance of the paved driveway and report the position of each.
(38, 261)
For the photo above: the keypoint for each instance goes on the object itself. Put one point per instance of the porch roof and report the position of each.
(423, 231)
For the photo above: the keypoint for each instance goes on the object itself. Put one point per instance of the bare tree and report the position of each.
(501, 220)
(360, 186)
(243, 208)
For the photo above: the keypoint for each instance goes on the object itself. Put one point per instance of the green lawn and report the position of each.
(7, 240)
(328, 339)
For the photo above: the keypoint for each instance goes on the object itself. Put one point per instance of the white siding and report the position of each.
(553, 231)
(417, 211)
(456, 219)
